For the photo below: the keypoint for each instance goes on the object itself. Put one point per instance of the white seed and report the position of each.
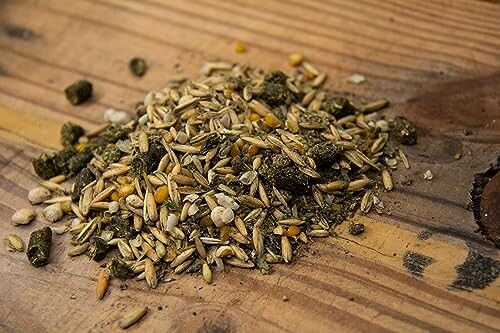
(114, 206)
(134, 201)
(193, 209)
(227, 216)
(53, 213)
(216, 215)
(226, 201)
(428, 175)
(356, 79)
(172, 222)
(124, 145)
(23, 216)
(39, 195)
(116, 117)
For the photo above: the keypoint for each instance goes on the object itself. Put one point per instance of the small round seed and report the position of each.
(23, 216)
(39, 195)
(53, 213)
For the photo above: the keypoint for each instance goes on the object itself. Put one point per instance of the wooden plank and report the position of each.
(438, 62)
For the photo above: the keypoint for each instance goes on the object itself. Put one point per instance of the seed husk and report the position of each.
(358, 185)
(102, 283)
(286, 249)
(15, 243)
(366, 202)
(150, 273)
(375, 106)
(404, 159)
(258, 241)
(207, 273)
(79, 249)
(133, 317)
(387, 180)
(182, 257)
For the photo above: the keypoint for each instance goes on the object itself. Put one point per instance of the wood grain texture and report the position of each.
(437, 61)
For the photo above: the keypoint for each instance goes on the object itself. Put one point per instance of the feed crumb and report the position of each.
(428, 175)
(356, 79)
(240, 48)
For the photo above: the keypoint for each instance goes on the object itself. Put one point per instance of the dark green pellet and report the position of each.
(280, 171)
(339, 107)
(80, 160)
(98, 248)
(45, 166)
(137, 66)
(70, 133)
(62, 158)
(274, 94)
(276, 77)
(122, 226)
(404, 131)
(111, 134)
(324, 153)
(78, 92)
(111, 154)
(39, 247)
(356, 228)
(119, 269)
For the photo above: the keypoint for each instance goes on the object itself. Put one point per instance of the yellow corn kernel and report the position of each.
(115, 196)
(125, 190)
(122, 180)
(228, 93)
(253, 150)
(295, 59)
(309, 75)
(293, 230)
(79, 147)
(272, 121)
(66, 206)
(161, 194)
(254, 116)
(240, 48)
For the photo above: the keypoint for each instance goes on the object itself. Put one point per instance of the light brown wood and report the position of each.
(438, 62)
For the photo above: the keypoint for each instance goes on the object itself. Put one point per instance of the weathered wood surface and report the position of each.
(437, 61)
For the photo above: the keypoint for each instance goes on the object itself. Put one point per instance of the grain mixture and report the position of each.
(238, 167)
